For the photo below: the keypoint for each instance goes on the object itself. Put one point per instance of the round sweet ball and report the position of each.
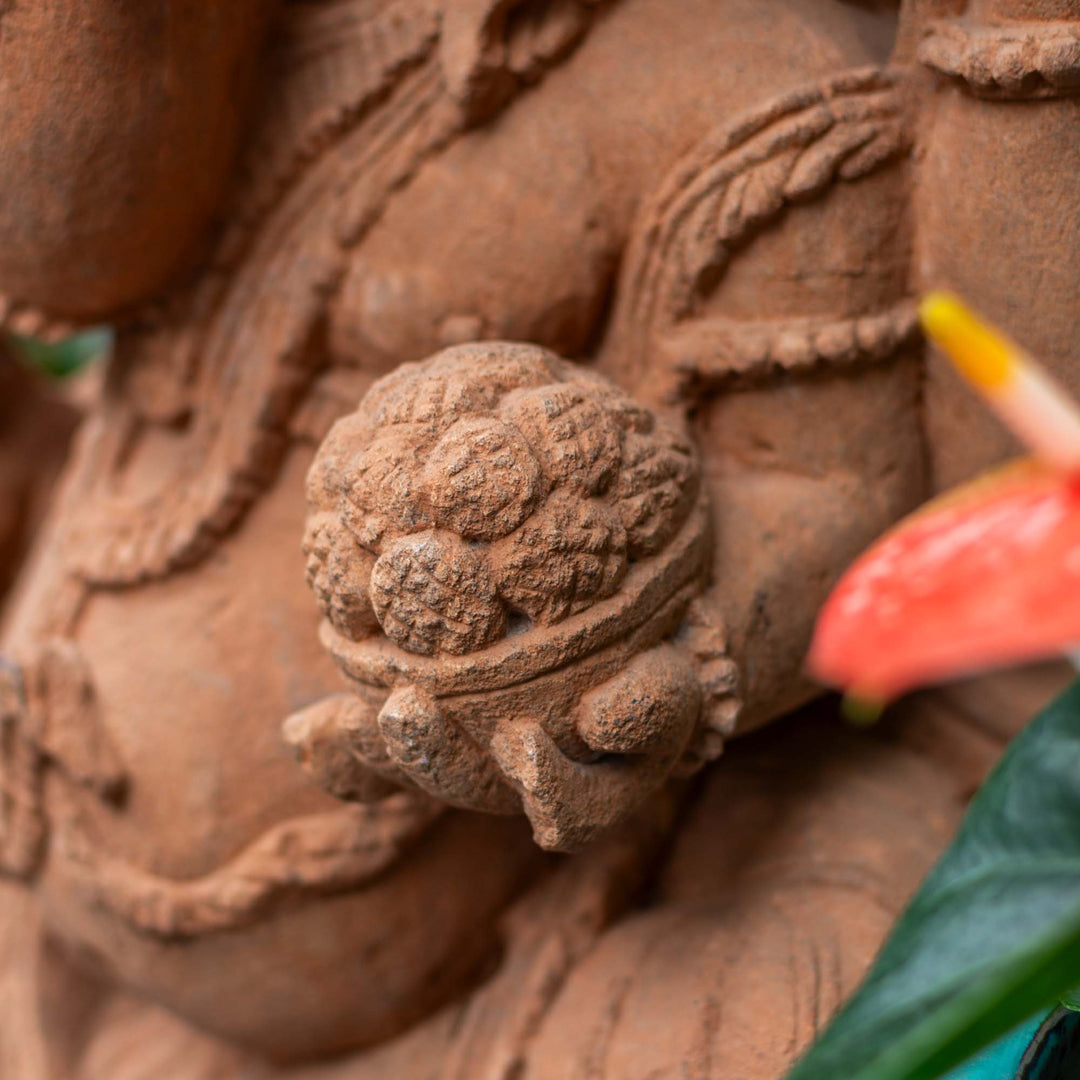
(481, 479)
(568, 555)
(433, 592)
(338, 572)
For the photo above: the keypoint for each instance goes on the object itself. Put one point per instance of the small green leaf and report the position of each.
(993, 935)
(60, 359)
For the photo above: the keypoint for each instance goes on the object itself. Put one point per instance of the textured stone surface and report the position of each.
(519, 463)
(231, 863)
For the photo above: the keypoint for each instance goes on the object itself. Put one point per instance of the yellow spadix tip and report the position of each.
(982, 354)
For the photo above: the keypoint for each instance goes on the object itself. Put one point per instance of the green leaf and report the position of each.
(993, 935)
(60, 359)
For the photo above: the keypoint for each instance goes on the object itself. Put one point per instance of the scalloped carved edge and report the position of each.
(726, 354)
(1010, 62)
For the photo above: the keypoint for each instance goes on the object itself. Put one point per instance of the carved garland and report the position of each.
(735, 182)
(1009, 62)
(319, 854)
(48, 718)
(723, 354)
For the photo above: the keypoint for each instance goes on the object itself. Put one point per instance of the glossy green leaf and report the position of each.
(992, 936)
(60, 359)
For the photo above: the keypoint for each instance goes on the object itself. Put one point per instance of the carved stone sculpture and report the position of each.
(572, 341)
(501, 542)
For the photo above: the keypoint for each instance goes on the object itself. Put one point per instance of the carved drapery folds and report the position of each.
(501, 542)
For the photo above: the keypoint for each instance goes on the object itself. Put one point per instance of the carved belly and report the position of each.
(218, 880)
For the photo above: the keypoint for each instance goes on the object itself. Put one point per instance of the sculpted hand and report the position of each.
(502, 544)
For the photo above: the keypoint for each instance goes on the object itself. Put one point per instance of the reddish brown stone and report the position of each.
(555, 589)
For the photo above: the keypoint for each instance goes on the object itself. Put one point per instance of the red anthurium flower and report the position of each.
(987, 575)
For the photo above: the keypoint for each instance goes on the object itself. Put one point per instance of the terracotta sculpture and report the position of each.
(555, 589)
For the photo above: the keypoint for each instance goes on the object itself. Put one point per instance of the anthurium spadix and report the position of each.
(987, 575)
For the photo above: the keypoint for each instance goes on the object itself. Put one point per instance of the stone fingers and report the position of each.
(439, 757)
(337, 743)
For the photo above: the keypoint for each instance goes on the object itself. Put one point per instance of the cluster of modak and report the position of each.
(488, 489)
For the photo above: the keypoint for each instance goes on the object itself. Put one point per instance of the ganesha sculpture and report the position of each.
(572, 345)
